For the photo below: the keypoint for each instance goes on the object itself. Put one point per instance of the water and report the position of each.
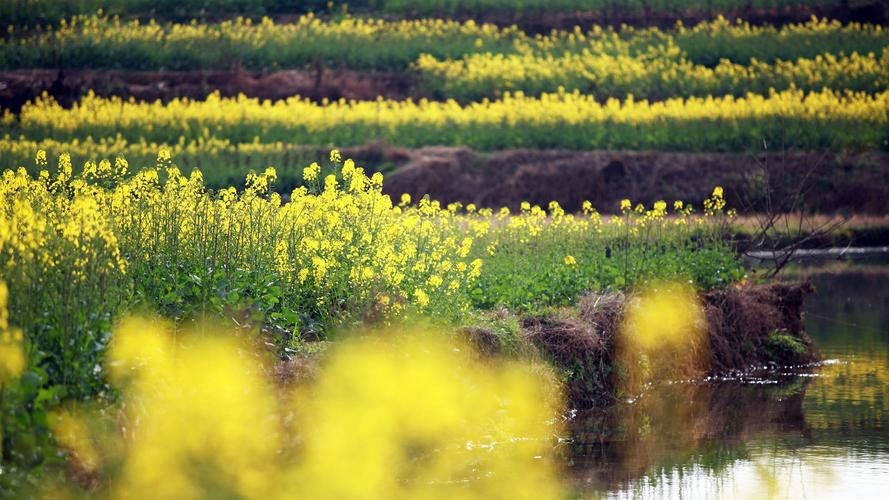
(812, 433)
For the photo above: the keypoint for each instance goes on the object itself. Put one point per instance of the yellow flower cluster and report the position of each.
(654, 73)
(664, 315)
(514, 119)
(715, 203)
(337, 250)
(61, 258)
(229, 160)
(336, 243)
(58, 223)
(225, 113)
(407, 415)
(740, 29)
(363, 43)
(533, 225)
(266, 31)
(12, 356)
(264, 44)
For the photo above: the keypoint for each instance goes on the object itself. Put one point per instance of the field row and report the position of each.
(845, 181)
(80, 254)
(656, 75)
(76, 250)
(39, 12)
(222, 162)
(359, 44)
(790, 119)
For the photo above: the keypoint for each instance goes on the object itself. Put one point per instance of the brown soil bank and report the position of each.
(747, 327)
(827, 182)
(18, 87)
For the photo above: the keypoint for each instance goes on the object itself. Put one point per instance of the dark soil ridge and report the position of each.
(67, 86)
(759, 182)
(749, 327)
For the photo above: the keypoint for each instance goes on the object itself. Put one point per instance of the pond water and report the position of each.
(819, 432)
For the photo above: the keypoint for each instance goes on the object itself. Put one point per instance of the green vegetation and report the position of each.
(79, 251)
(565, 259)
(222, 163)
(43, 12)
(655, 75)
(162, 239)
(784, 348)
(567, 120)
(104, 43)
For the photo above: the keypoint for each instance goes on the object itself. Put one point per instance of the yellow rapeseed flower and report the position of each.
(625, 205)
(311, 172)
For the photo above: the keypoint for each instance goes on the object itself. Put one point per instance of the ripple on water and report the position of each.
(820, 431)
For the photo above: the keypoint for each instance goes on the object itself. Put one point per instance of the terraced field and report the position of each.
(549, 187)
(715, 87)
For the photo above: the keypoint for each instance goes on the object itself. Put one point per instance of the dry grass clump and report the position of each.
(742, 328)
(582, 347)
(757, 325)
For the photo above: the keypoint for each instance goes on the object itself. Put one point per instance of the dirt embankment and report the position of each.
(828, 182)
(753, 326)
(67, 86)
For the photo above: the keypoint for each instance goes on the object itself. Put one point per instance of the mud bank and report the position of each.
(752, 327)
(831, 182)
(67, 86)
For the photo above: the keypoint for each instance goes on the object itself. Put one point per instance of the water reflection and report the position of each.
(820, 433)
